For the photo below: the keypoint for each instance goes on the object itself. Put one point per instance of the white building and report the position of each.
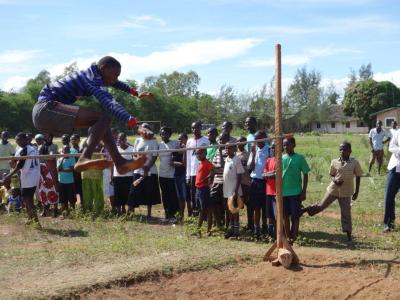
(337, 122)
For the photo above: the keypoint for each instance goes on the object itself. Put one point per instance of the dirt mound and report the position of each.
(320, 276)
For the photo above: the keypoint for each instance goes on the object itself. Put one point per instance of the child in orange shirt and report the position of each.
(203, 178)
(270, 191)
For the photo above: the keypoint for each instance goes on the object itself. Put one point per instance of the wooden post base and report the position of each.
(285, 255)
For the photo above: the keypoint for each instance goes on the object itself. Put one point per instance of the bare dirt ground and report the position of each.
(322, 274)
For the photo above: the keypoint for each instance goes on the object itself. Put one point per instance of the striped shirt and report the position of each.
(83, 84)
(218, 168)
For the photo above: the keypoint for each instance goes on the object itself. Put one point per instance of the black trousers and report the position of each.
(169, 196)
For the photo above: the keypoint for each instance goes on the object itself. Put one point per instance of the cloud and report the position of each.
(176, 57)
(14, 83)
(393, 76)
(17, 56)
(143, 22)
(334, 25)
(288, 60)
(300, 59)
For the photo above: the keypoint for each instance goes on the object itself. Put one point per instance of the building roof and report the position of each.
(385, 110)
(336, 114)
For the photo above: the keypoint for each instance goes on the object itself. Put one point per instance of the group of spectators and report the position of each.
(212, 183)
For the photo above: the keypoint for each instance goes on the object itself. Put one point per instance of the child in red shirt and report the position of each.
(202, 183)
(269, 173)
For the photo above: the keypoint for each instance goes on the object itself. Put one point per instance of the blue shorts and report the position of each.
(271, 207)
(181, 188)
(203, 198)
(292, 206)
(257, 193)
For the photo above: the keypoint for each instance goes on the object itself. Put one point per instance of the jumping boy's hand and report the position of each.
(146, 96)
(355, 196)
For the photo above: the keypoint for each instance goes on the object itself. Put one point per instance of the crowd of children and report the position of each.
(214, 183)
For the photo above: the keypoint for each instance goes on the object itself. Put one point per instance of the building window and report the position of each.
(318, 125)
(333, 125)
(347, 124)
(360, 124)
(389, 121)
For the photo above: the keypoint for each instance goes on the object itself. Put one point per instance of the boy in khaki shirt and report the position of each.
(341, 187)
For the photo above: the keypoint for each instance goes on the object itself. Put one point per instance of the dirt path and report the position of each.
(322, 275)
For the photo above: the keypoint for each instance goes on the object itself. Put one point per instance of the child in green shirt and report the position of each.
(294, 188)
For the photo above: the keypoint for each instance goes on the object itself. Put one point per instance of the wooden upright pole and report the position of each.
(278, 147)
(286, 255)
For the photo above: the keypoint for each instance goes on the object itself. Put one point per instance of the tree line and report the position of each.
(178, 101)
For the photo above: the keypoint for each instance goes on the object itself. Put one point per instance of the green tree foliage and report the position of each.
(175, 84)
(304, 94)
(35, 85)
(262, 104)
(368, 96)
(331, 95)
(178, 101)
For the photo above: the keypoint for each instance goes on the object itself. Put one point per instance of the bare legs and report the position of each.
(100, 130)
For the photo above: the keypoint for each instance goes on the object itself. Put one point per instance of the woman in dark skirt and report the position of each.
(122, 182)
(145, 187)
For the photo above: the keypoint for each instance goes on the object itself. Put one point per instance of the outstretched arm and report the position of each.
(122, 86)
(110, 104)
(130, 90)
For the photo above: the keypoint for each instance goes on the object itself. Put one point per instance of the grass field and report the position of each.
(77, 255)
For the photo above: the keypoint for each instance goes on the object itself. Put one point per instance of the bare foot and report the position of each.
(84, 164)
(131, 165)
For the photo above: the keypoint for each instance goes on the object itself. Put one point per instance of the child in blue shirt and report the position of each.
(258, 204)
(14, 201)
(65, 167)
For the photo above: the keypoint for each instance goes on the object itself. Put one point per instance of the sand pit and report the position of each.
(321, 275)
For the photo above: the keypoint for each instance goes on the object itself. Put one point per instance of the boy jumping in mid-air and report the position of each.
(343, 170)
(54, 112)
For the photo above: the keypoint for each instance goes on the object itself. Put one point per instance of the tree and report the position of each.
(352, 79)
(304, 94)
(305, 88)
(67, 71)
(174, 84)
(365, 72)
(262, 104)
(369, 96)
(35, 85)
(331, 95)
(227, 102)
